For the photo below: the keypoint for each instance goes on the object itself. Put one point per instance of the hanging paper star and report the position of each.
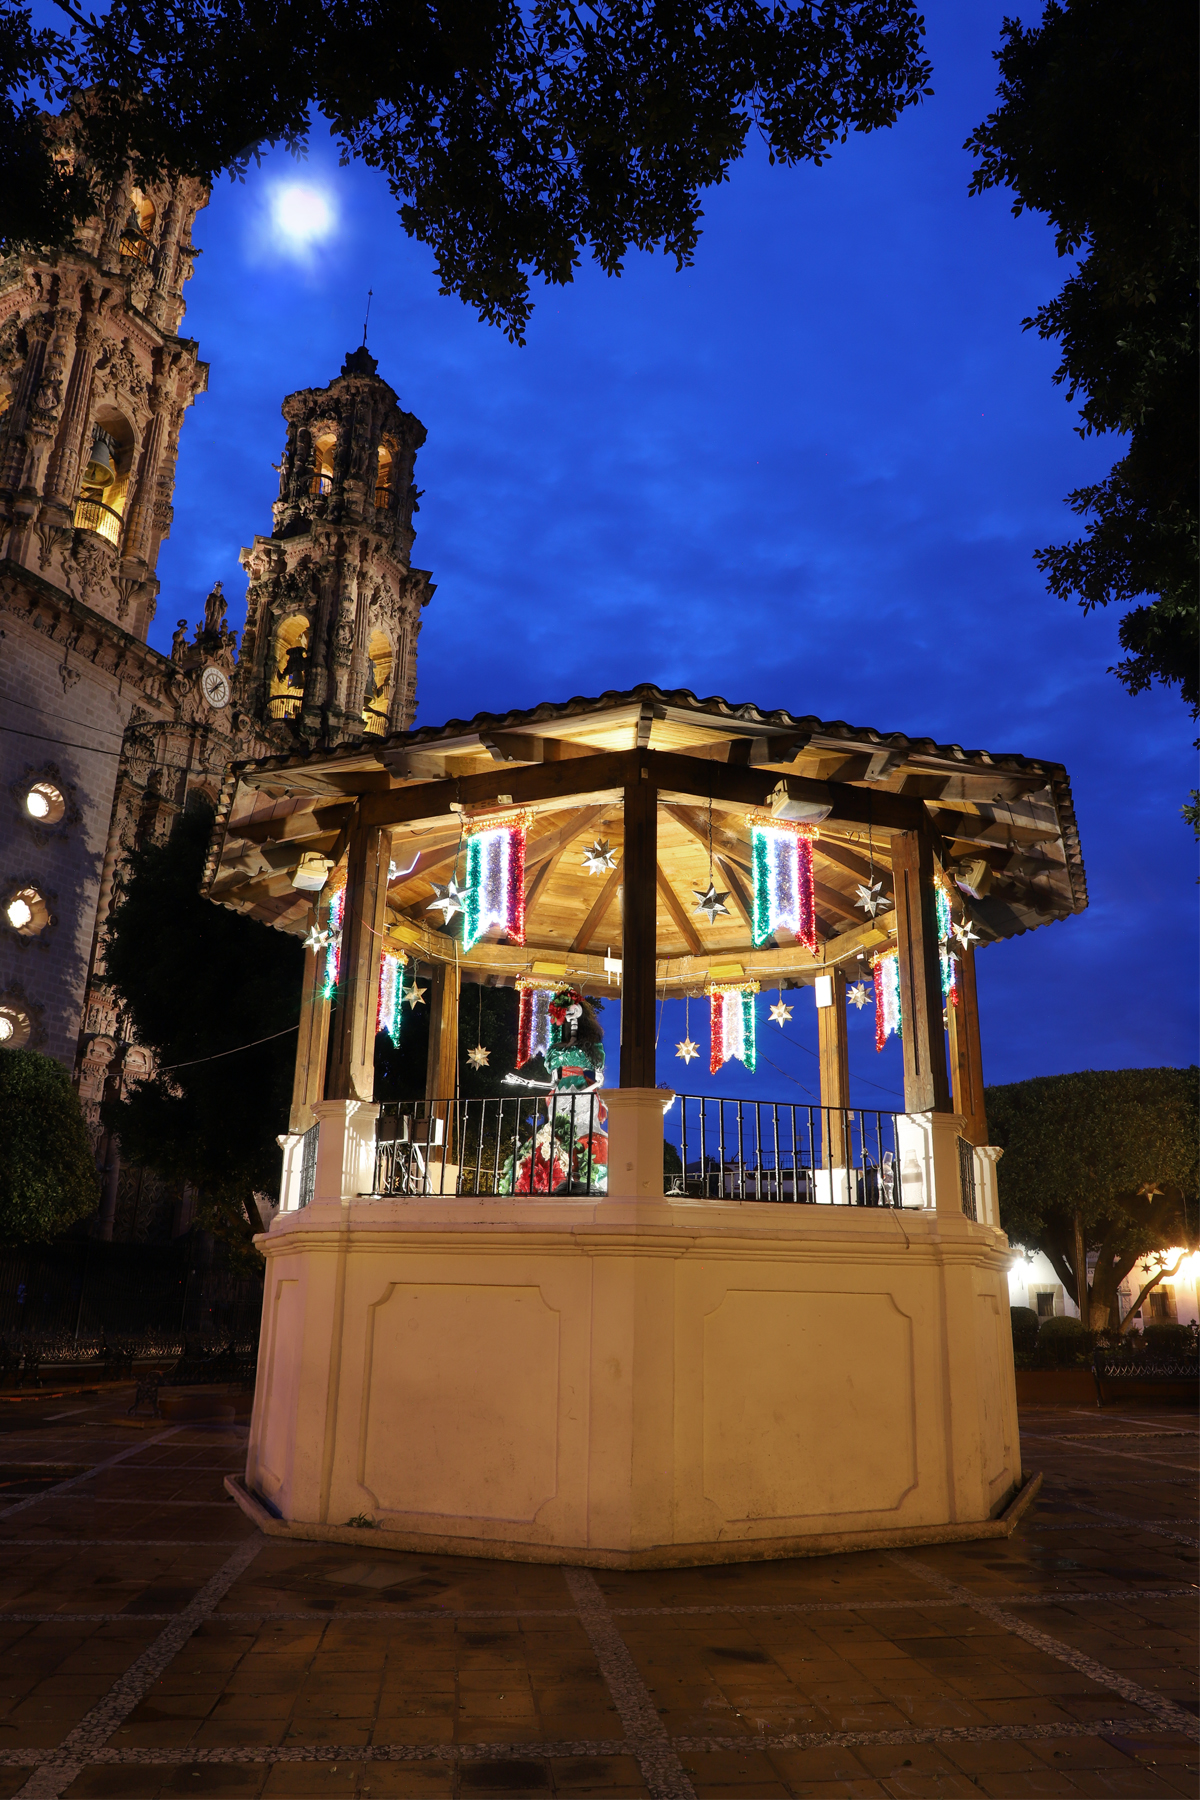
(687, 1050)
(780, 1014)
(871, 897)
(710, 902)
(448, 899)
(414, 996)
(316, 939)
(966, 934)
(478, 1057)
(858, 995)
(599, 857)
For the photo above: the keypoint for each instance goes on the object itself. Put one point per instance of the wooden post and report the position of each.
(312, 1040)
(441, 1067)
(352, 1037)
(966, 1058)
(926, 1081)
(834, 1049)
(639, 947)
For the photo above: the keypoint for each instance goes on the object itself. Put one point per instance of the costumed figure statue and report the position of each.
(569, 1150)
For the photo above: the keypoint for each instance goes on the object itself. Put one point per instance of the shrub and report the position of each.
(1170, 1342)
(47, 1177)
(1025, 1324)
(1062, 1341)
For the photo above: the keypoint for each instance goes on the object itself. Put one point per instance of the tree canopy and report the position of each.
(197, 982)
(515, 136)
(48, 1179)
(1104, 1160)
(1097, 129)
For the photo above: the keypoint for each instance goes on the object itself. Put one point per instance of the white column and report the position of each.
(345, 1151)
(986, 1189)
(635, 1142)
(927, 1143)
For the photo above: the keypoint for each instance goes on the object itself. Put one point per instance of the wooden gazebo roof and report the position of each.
(1013, 812)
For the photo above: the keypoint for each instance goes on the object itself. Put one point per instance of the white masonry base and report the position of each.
(631, 1379)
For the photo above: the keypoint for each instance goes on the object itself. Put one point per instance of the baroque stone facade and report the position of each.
(103, 740)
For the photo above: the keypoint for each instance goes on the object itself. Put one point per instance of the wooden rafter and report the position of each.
(674, 906)
(600, 906)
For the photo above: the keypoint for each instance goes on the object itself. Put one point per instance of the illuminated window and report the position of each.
(104, 486)
(323, 449)
(383, 479)
(44, 803)
(379, 684)
(27, 912)
(15, 1026)
(285, 690)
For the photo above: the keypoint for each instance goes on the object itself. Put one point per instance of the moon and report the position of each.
(302, 216)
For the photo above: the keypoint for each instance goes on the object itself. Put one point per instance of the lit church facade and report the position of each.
(103, 739)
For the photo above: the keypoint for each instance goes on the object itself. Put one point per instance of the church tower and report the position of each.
(334, 607)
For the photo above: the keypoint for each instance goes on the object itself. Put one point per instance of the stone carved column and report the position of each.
(168, 256)
(13, 447)
(62, 480)
(140, 519)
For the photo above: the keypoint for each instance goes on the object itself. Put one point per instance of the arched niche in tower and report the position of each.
(383, 478)
(378, 693)
(105, 485)
(137, 239)
(288, 668)
(324, 444)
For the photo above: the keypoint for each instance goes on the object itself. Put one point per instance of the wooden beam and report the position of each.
(556, 841)
(307, 822)
(666, 771)
(600, 906)
(537, 884)
(835, 901)
(834, 1052)
(741, 898)
(923, 1038)
(639, 929)
(675, 907)
(352, 1034)
(308, 1083)
(966, 1055)
(441, 1065)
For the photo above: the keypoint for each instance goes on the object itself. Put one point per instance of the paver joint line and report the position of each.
(80, 1745)
(661, 1769)
(1172, 1716)
(61, 1487)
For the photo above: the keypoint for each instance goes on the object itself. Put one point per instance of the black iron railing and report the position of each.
(777, 1150)
(308, 1164)
(549, 1144)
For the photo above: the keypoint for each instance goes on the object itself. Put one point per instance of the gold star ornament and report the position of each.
(780, 1014)
(687, 1050)
(478, 1057)
(414, 996)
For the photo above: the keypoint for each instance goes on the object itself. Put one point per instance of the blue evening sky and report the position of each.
(809, 472)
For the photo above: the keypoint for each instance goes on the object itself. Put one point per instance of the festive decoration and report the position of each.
(391, 995)
(333, 944)
(687, 1050)
(871, 897)
(966, 934)
(533, 1022)
(710, 902)
(571, 1149)
(948, 961)
(780, 1014)
(495, 880)
(448, 899)
(599, 857)
(415, 996)
(857, 996)
(316, 939)
(478, 1057)
(887, 998)
(731, 1024)
(781, 856)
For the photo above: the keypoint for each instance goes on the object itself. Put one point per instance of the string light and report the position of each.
(391, 995)
(945, 924)
(333, 950)
(886, 970)
(731, 1024)
(495, 879)
(533, 1024)
(781, 855)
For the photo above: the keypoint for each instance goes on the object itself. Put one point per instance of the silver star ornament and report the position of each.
(687, 1050)
(599, 857)
(414, 996)
(858, 995)
(871, 898)
(710, 902)
(316, 939)
(780, 1014)
(447, 899)
(478, 1057)
(966, 934)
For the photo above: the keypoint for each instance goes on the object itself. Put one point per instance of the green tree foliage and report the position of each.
(48, 1179)
(515, 136)
(1103, 1160)
(197, 981)
(1097, 129)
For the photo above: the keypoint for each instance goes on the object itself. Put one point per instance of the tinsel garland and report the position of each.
(949, 962)
(731, 1025)
(782, 861)
(887, 998)
(533, 1023)
(391, 995)
(495, 880)
(333, 950)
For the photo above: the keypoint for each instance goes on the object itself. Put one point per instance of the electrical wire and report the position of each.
(168, 1067)
(28, 706)
(59, 743)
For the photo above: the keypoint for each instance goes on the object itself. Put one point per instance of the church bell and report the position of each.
(100, 472)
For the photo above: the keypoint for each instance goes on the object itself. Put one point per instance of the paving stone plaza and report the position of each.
(154, 1643)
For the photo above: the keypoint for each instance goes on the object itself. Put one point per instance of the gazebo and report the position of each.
(616, 1373)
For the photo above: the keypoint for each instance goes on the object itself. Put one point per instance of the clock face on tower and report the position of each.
(214, 687)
